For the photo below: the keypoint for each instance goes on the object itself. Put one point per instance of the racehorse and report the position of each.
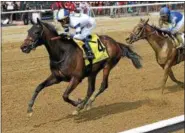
(162, 42)
(67, 63)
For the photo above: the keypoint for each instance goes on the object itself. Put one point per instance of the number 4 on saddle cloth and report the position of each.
(98, 49)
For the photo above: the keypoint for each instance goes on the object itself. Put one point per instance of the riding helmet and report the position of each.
(62, 14)
(165, 11)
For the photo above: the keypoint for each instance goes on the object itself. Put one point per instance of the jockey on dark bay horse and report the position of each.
(67, 63)
(83, 25)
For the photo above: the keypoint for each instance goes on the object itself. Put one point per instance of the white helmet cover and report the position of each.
(62, 14)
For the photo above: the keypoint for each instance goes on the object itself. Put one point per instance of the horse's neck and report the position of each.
(56, 48)
(156, 41)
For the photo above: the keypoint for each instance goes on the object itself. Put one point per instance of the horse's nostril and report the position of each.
(23, 47)
(128, 40)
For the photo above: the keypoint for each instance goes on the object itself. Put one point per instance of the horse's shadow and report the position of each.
(174, 88)
(171, 89)
(106, 110)
(100, 111)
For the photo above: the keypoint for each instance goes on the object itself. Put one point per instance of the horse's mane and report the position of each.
(51, 28)
(162, 32)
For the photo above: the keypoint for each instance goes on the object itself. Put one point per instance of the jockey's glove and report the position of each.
(63, 35)
(67, 35)
(71, 36)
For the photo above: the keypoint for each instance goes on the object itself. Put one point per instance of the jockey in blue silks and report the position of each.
(174, 21)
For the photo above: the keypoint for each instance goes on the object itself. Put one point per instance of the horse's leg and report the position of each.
(49, 81)
(165, 77)
(72, 85)
(91, 88)
(174, 79)
(104, 85)
(167, 69)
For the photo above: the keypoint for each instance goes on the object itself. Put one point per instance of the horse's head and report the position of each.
(34, 37)
(138, 32)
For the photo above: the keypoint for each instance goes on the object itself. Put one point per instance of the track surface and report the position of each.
(132, 99)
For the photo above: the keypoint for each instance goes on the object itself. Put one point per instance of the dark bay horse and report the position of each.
(67, 63)
(167, 55)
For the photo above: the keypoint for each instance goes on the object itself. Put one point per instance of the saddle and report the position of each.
(98, 49)
(175, 38)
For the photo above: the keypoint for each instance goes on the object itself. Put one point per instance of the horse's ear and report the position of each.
(39, 22)
(147, 21)
(142, 20)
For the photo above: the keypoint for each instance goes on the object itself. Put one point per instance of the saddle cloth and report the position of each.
(97, 47)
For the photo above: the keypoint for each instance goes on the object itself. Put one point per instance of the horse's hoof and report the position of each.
(181, 85)
(88, 108)
(30, 112)
(75, 112)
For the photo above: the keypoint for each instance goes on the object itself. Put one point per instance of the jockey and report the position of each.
(174, 21)
(83, 25)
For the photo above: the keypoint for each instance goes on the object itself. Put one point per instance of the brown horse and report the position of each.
(67, 63)
(167, 55)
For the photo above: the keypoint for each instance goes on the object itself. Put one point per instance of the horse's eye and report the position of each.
(139, 28)
(37, 33)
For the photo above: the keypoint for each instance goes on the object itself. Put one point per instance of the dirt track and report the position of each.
(131, 100)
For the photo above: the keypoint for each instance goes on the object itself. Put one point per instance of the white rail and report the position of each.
(101, 7)
(44, 10)
(158, 125)
(137, 5)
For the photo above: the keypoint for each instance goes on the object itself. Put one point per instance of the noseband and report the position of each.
(138, 36)
(34, 42)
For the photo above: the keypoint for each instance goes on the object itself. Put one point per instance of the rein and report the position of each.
(155, 31)
(34, 42)
(138, 36)
(32, 46)
(55, 38)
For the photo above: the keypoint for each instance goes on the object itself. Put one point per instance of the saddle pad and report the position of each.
(97, 47)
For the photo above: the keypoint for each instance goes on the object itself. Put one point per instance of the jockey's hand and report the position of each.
(67, 35)
(64, 35)
(71, 36)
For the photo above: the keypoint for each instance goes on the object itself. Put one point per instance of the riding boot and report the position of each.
(88, 50)
(180, 40)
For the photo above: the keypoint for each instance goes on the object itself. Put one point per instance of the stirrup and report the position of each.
(90, 55)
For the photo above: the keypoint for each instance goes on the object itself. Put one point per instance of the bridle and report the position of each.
(142, 34)
(34, 42)
(138, 35)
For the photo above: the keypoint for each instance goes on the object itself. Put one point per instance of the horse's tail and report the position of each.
(129, 53)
